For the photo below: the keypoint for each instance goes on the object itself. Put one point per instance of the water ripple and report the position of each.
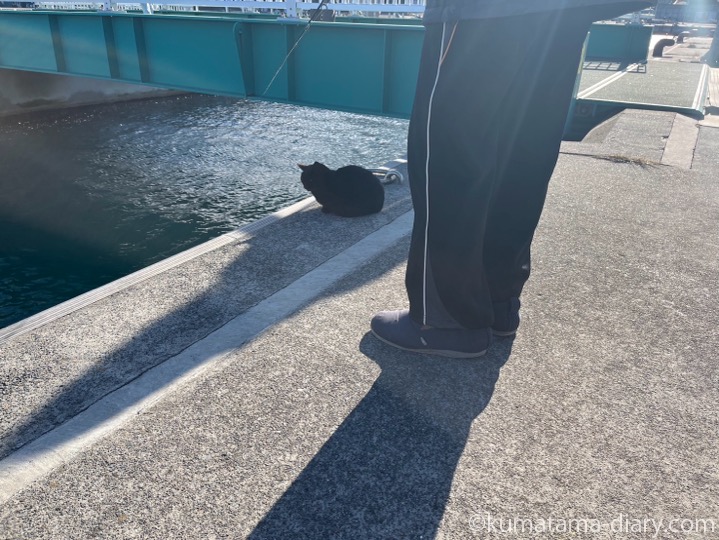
(91, 194)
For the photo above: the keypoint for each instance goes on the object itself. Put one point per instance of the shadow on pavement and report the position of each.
(388, 469)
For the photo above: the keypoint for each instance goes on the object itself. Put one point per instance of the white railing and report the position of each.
(282, 8)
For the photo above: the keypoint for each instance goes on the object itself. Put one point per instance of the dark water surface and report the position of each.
(89, 195)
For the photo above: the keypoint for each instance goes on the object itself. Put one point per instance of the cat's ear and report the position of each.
(303, 167)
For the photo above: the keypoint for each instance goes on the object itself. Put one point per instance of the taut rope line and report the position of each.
(312, 18)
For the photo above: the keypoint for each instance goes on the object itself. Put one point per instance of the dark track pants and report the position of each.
(489, 112)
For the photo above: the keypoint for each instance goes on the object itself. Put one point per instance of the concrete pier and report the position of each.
(26, 91)
(237, 393)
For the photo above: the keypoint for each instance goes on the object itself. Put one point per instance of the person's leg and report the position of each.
(529, 148)
(473, 77)
(452, 148)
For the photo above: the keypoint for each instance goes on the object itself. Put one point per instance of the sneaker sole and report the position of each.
(498, 333)
(434, 352)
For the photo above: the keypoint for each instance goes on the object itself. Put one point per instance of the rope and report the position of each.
(323, 3)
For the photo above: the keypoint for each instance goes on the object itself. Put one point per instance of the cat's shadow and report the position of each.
(387, 470)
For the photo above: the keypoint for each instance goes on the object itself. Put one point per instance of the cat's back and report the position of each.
(358, 177)
(362, 191)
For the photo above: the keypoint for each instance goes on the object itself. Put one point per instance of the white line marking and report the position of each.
(606, 82)
(426, 177)
(63, 443)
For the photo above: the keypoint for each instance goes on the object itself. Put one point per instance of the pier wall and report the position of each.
(25, 91)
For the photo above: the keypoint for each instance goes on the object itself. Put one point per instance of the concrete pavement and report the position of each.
(283, 418)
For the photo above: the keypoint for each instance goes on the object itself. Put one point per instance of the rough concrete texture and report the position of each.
(603, 410)
(51, 374)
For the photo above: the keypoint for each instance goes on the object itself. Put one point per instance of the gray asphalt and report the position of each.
(597, 421)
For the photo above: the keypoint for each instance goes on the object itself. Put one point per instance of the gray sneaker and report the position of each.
(396, 328)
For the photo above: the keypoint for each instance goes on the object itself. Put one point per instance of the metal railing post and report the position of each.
(291, 9)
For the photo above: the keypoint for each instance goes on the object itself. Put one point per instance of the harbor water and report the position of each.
(91, 194)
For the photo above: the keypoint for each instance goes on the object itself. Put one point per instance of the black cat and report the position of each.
(349, 191)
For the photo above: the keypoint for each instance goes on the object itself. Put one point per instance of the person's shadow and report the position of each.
(387, 471)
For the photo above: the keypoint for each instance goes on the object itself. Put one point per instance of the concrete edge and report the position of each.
(599, 133)
(242, 233)
(710, 121)
(58, 446)
(702, 92)
(681, 143)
